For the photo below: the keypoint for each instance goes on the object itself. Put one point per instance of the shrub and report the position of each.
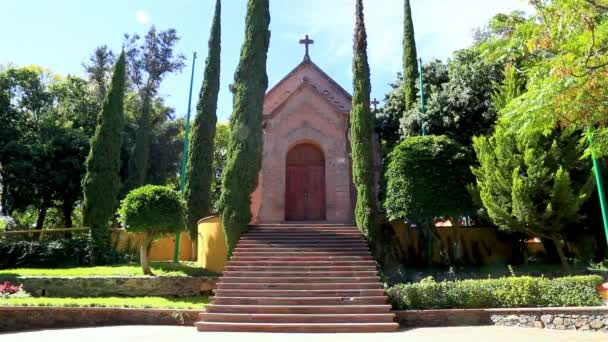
(7, 290)
(154, 211)
(52, 254)
(497, 293)
(57, 253)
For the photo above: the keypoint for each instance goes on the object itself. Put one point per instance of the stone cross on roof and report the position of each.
(375, 103)
(306, 42)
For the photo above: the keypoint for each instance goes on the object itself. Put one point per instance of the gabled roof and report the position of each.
(335, 87)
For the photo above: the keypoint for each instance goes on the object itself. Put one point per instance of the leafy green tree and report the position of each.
(410, 59)
(566, 68)
(426, 181)
(99, 70)
(149, 63)
(362, 130)
(462, 107)
(388, 117)
(220, 156)
(155, 211)
(532, 182)
(199, 172)
(45, 141)
(102, 181)
(245, 148)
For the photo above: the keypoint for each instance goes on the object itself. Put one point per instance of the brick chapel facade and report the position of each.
(306, 165)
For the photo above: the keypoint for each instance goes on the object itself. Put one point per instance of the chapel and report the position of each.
(306, 165)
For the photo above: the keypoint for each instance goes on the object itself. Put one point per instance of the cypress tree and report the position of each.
(244, 159)
(362, 126)
(410, 59)
(102, 181)
(199, 171)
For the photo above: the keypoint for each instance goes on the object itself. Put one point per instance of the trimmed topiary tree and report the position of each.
(199, 172)
(155, 211)
(102, 181)
(427, 179)
(244, 159)
(362, 130)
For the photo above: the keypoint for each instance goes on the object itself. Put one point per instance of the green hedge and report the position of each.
(509, 292)
(51, 254)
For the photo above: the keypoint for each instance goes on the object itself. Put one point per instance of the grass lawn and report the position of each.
(198, 302)
(184, 269)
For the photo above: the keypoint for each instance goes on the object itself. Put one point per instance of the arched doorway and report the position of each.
(305, 184)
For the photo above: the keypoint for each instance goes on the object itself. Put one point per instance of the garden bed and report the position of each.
(96, 286)
(29, 318)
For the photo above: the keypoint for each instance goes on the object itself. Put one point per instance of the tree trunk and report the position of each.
(560, 252)
(143, 254)
(41, 215)
(443, 252)
(67, 207)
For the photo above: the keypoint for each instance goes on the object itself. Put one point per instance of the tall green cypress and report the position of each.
(244, 159)
(199, 171)
(410, 59)
(362, 126)
(102, 181)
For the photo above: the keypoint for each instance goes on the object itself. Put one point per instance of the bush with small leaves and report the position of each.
(155, 211)
(509, 292)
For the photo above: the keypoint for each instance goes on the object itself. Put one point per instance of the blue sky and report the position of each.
(61, 35)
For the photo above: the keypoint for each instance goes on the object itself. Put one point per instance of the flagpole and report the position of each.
(182, 179)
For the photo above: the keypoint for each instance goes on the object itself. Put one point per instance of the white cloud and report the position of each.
(142, 17)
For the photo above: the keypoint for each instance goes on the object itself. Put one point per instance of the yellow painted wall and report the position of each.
(474, 244)
(212, 253)
(162, 249)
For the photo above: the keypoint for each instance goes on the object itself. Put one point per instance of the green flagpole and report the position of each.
(600, 187)
(422, 100)
(182, 179)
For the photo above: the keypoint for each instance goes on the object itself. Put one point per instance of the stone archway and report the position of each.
(305, 184)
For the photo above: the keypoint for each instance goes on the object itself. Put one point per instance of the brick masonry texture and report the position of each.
(31, 318)
(585, 319)
(114, 286)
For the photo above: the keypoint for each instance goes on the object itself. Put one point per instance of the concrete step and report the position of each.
(366, 300)
(299, 279)
(311, 239)
(296, 318)
(302, 225)
(298, 327)
(302, 258)
(299, 249)
(292, 286)
(311, 245)
(245, 253)
(301, 263)
(297, 293)
(299, 309)
(300, 274)
(371, 268)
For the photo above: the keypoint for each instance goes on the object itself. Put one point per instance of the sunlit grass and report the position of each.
(184, 269)
(198, 302)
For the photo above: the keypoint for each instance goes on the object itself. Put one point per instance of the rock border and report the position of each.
(20, 318)
(570, 318)
(114, 286)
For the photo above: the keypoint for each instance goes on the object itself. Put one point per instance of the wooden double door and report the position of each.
(305, 184)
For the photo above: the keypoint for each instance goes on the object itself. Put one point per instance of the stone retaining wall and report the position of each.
(114, 286)
(591, 319)
(32, 318)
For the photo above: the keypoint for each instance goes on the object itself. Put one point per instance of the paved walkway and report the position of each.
(185, 334)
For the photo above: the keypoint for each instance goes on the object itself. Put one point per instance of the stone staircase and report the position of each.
(300, 278)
